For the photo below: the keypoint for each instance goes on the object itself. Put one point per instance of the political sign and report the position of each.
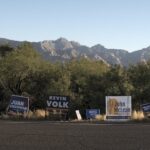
(146, 107)
(78, 115)
(118, 107)
(18, 104)
(61, 102)
(91, 113)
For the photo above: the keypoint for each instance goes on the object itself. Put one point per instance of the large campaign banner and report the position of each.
(91, 113)
(118, 107)
(58, 102)
(18, 104)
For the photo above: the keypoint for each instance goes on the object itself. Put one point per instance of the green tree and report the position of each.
(117, 82)
(4, 50)
(140, 78)
(17, 67)
(86, 84)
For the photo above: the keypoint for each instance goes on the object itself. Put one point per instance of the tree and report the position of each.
(17, 67)
(5, 49)
(117, 82)
(140, 78)
(86, 84)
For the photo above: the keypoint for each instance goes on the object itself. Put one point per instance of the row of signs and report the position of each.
(117, 107)
(21, 104)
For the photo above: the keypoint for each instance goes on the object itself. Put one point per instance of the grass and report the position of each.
(137, 116)
(37, 114)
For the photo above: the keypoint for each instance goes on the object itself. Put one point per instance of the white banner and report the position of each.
(118, 107)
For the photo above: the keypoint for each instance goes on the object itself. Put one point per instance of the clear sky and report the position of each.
(122, 24)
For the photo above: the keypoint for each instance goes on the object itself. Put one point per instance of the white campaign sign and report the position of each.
(78, 115)
(118, 107)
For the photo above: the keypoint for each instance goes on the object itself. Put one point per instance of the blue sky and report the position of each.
(122, 24)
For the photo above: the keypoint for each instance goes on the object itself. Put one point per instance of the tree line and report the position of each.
(24, 72)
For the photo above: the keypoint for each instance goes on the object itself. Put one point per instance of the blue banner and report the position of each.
(58, 102)
(91, 113)
(18, 104)
(146, 107)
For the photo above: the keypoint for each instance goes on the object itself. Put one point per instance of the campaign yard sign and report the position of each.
(18, 104)
(118, 108)
(60, 102)
(146, 107)
(79, 117)
(91, 113)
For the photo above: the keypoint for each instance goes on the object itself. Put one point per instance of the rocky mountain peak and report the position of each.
(64, 50)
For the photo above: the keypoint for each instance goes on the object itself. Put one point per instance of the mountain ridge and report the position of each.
(62, 50)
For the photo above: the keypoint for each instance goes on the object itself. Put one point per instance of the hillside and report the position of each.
(64, 50)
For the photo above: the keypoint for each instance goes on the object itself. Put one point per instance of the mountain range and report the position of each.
(63, 50)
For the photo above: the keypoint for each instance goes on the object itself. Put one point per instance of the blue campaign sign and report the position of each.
(18, 104)
(58, 102)
(146, 107)
(91, 113)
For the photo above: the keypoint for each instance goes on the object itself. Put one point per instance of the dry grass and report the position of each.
(41, 114)
(4, 116)
(37, 114)
(100, 117)
(29, 115)
(138, 115)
